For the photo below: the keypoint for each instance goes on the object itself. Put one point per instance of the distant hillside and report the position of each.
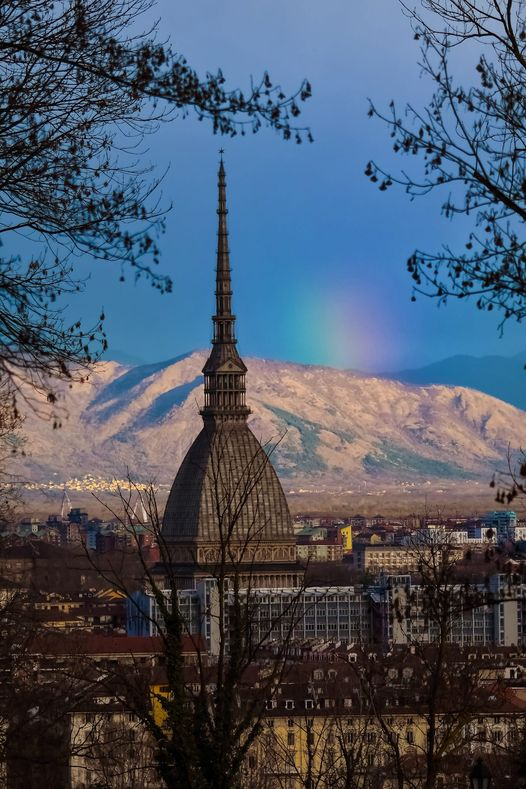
(122, 357)
(338, 429)
(499, 376)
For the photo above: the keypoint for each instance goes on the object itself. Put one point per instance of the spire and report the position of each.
(224, 371)
(223, 319)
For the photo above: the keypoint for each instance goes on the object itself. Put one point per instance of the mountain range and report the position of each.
(503, 377)
(335, 430)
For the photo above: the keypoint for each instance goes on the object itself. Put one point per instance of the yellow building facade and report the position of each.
(346, 533)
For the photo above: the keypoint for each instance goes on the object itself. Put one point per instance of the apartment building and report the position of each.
(314, 613)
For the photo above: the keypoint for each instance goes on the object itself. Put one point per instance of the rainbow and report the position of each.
(345, 327)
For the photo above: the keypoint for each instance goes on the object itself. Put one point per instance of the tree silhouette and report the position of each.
(469, 145)
(204, 719)
(81, 87)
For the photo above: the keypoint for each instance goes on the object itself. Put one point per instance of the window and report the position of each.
(290, 738)
(289, 704)
(290, 723)
(309, 704)
(410, 737)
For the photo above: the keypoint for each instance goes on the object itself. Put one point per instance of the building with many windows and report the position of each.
(502, 523)
(393, 610)
(312, 613)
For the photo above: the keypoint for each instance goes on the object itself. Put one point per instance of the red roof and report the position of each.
(101, 644)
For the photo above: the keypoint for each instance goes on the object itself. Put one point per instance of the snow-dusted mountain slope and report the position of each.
(336, 427)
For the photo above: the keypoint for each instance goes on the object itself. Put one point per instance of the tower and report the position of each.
(226, 499)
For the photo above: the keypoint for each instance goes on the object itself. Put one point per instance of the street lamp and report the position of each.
(479, 776)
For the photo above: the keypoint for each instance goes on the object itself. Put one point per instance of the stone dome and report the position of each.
(226, 487)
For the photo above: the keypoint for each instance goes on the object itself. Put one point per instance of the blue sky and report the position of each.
(318, 253)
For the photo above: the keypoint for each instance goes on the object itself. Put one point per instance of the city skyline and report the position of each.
(289, 562)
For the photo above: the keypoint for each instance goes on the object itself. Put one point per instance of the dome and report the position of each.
(226, 487)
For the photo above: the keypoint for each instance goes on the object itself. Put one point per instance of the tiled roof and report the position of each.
(99, 644)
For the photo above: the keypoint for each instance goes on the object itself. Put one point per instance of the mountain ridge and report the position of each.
(503, 377)
(335, 429)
